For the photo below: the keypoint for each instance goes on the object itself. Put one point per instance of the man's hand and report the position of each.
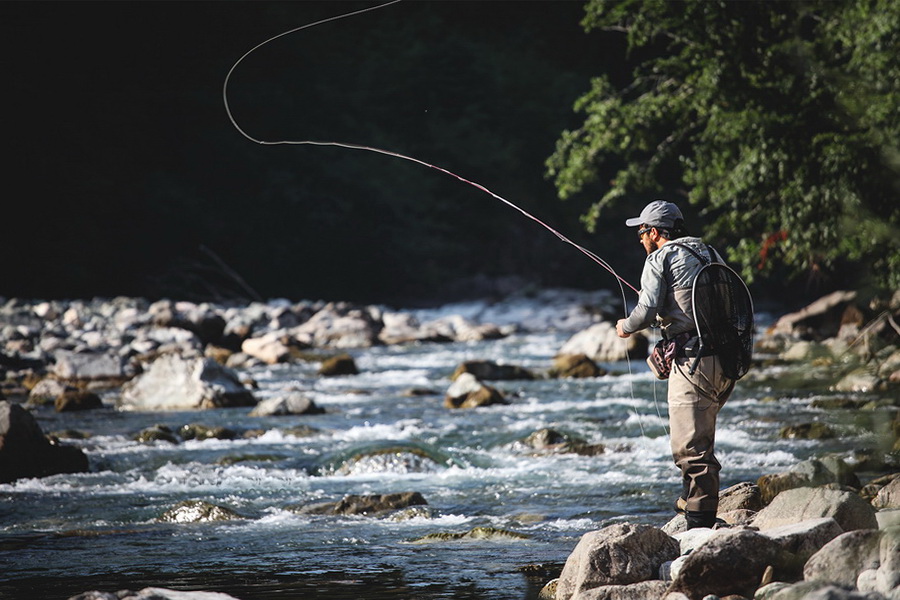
(621, 332)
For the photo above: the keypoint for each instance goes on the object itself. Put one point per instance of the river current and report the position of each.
(66, 534)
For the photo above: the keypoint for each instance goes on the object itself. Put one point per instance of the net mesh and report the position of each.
(724, 313)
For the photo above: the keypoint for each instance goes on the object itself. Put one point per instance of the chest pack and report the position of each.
(723, 314)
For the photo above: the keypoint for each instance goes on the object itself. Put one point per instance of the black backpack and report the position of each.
(723, 315)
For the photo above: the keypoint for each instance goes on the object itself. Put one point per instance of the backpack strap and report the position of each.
(703, 260)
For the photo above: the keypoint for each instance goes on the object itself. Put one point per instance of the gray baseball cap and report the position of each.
(658, 213)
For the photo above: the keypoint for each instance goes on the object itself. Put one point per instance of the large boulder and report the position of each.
(792, 506)
(26, 452)
(176, 383)
(600, 343)
(885, 579)
(819, 320)
(841, 560)
(620, 554)
(731, 562)
(805, 538)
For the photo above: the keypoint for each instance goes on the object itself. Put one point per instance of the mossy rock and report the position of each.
(476, 533)
(156, 433)
(342, 364)
(807, 431)
(575, 366)
(196, 431)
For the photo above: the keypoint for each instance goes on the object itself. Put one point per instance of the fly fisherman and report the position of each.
(694, 399)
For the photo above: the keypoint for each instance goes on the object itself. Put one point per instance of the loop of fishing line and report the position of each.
(351, 146)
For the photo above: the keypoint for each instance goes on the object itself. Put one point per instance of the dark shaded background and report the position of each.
(125, 177)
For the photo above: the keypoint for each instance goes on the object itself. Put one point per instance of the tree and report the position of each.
(778, 121)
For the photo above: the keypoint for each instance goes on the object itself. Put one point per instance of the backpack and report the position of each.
(723, 315)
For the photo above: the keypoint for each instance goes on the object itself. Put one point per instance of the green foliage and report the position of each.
(780, 119)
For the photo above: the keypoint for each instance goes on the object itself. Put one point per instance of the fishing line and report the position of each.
(351, 146)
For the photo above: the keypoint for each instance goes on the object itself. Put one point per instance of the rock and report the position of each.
(643, 590)
(176, 383)
(404, 328)
(476, 533)
(731, 562)
(817, 321)
(340, 325)
(772, 485)
(156, 433)
(885, 578)
(74, 400)
(196, 431)
(552, 441)
(810, 590)
(548, 592)
(459, 329)
(741, 496)
(88, 365)
(46, 391)
(808, 473)
(270, 348)
(293, 403)
(575, 366)
(390, 459)
(600, 343)
(620, 554)
(805, 538)
(342, 364)
(807, 431)
(25, 452)
(152, 593)
(742, 517)
(198, 511)
(888, 496)
(796, 505)
(491, 371)
(806, 351)
(840, 561)
(468, 392)
(368, 504)
(859, 380)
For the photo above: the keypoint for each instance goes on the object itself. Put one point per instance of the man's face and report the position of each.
(649, 238)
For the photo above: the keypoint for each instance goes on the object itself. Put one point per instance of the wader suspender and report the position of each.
(704, 262)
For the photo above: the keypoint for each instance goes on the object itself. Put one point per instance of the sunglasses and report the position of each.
(641, 232)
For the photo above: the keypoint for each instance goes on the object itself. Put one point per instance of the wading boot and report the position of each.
(700, 518)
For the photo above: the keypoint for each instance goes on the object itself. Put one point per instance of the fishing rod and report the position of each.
(593, 256)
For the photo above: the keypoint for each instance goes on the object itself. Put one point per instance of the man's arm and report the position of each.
(644, 314)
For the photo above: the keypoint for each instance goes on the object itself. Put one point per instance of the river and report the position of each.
(66, 534)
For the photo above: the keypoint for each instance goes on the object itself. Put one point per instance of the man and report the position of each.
(694, 399)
